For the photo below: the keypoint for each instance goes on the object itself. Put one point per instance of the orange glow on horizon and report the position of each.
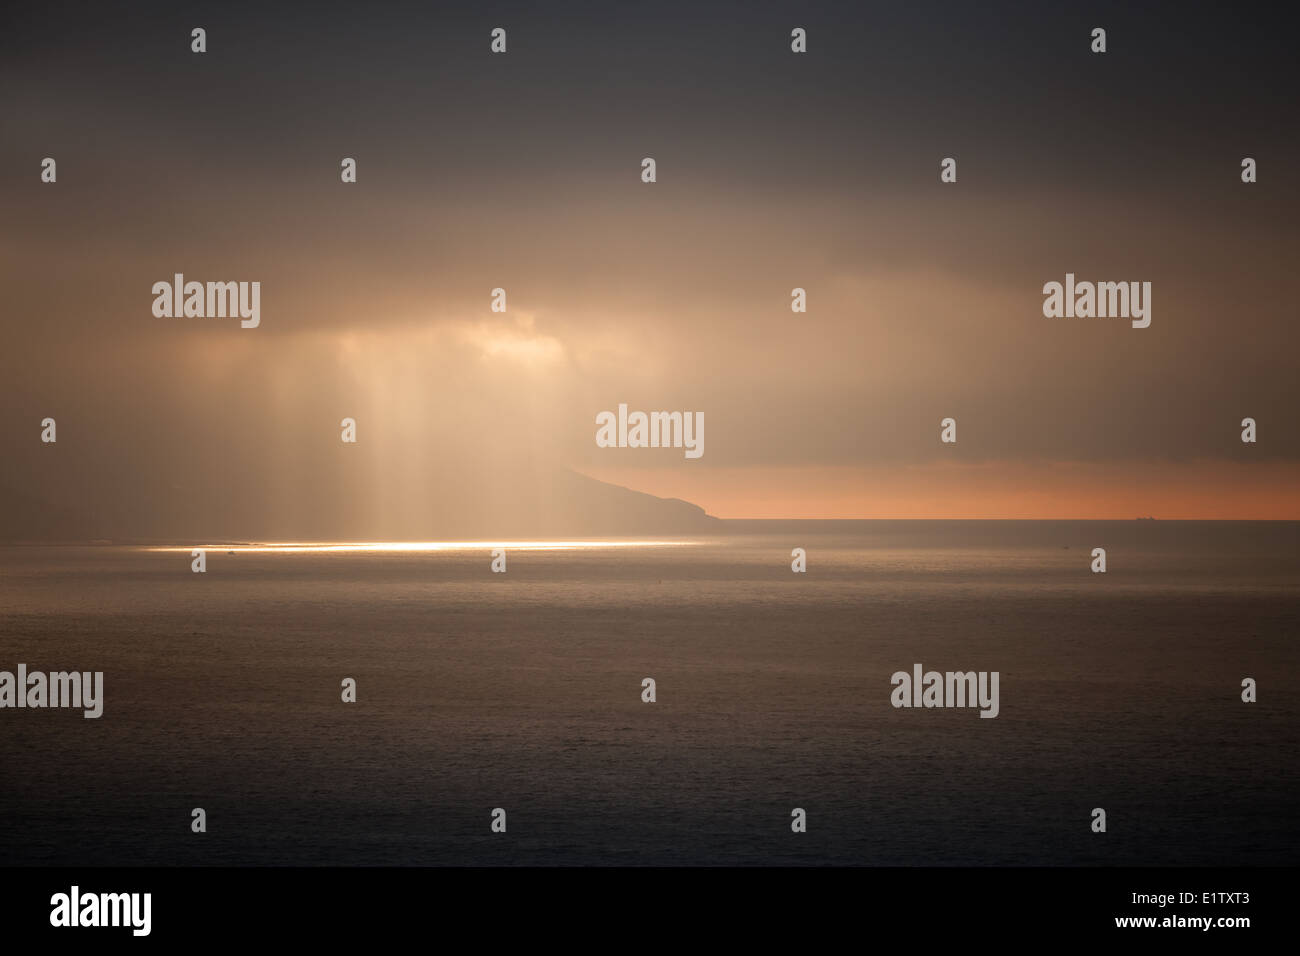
(1203, 490)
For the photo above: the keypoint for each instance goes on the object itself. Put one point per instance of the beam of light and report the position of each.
(402, 547)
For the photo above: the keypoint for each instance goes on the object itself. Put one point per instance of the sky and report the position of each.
(522, 171)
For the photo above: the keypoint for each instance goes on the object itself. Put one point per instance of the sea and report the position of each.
(522, 691)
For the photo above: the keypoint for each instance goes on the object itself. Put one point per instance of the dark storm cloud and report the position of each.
(775, 171)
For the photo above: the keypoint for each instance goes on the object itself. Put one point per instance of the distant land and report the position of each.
(562, 503)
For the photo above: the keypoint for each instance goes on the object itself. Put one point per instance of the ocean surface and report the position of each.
(522, 691)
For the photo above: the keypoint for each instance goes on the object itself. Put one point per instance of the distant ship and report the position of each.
(1147, 518)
